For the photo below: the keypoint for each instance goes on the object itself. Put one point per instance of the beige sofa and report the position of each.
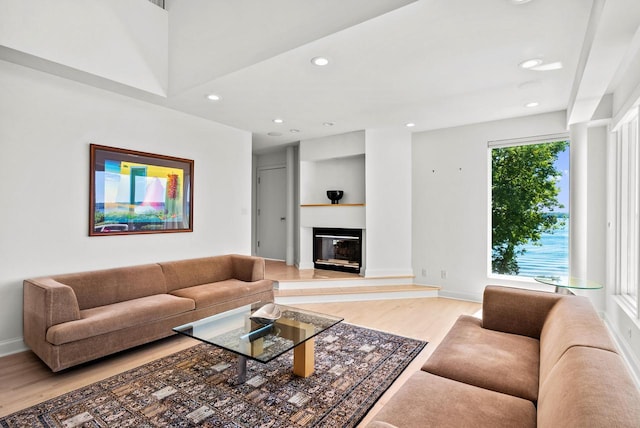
(535, 359)
(73, 318)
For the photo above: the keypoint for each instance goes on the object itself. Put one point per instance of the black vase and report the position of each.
(335, 195)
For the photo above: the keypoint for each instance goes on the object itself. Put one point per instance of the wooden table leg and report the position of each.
(304, 359)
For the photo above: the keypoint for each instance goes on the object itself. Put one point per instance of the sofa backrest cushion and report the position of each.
(104, 287)
(573, 321)
(186, 273)
(589, 387)
(516, 311)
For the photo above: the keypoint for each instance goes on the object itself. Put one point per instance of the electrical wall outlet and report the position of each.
(443, 274)
(424, 272)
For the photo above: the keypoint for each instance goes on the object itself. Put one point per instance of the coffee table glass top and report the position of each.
(568, 282)
(236, 332)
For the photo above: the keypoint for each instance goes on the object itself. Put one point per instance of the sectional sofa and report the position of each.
(73, 318)
(535, 359)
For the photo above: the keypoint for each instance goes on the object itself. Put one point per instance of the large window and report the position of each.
(530, 207)
(627, 202)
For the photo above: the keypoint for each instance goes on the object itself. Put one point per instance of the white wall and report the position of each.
(46, 125)
(124, 41)
(383, 175)
(334, 146)
(627, 92)
(333, 163)
(325, 162)
(272, 159)
(388, 210)
(451, 198)
(597, 214)
(346, 174)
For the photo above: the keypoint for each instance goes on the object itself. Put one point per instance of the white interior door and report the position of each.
(272, 201)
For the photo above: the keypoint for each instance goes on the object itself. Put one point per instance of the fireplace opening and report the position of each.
(337, 249)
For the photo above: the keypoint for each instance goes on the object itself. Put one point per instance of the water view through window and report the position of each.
(550, 258)
(530, 209)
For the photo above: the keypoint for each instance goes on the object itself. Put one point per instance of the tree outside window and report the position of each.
(529, 219)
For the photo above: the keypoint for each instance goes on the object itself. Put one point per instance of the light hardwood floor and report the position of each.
(25, 380)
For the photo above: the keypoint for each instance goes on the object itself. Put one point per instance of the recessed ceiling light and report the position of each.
(328, 123)
(532, 104)
(319, 61)
(274, 134)
(520, 1)
(410, 125)
(548, 67)
(213, 97)
(278, 120)
(530, 63)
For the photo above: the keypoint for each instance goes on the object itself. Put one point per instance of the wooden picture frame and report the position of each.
(135, 192)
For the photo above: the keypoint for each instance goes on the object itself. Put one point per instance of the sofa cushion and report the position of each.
(573, 321)
(426, 400)
(222, 291)
(117, 316)
(501, 362)
(186, 273)
(104, 287)
(517, 311)
(589, 387)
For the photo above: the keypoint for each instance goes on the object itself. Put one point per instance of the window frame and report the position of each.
(497, 144)
(626, 208)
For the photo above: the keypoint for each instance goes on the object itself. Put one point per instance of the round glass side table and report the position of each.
(564, 284)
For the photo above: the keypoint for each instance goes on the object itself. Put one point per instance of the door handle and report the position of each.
(283, 218)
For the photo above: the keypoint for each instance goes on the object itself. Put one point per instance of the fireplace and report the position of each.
(337, 249)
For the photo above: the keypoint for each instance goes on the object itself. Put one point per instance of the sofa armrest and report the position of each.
(49, 302)
(517, 311)
(247, 268)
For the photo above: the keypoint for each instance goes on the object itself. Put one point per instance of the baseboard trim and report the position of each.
(377, 273)
(468, 297)
(12, 346)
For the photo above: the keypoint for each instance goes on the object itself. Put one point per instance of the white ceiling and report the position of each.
(436, 63)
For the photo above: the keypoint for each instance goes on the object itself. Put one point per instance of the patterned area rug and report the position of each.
(197, 387)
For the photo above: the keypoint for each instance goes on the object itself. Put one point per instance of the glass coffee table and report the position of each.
(236, 332)
(564, 284)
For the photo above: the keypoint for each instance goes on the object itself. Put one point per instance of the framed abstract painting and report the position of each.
(135, 192)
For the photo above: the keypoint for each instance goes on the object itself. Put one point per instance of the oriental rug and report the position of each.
(197, 387)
